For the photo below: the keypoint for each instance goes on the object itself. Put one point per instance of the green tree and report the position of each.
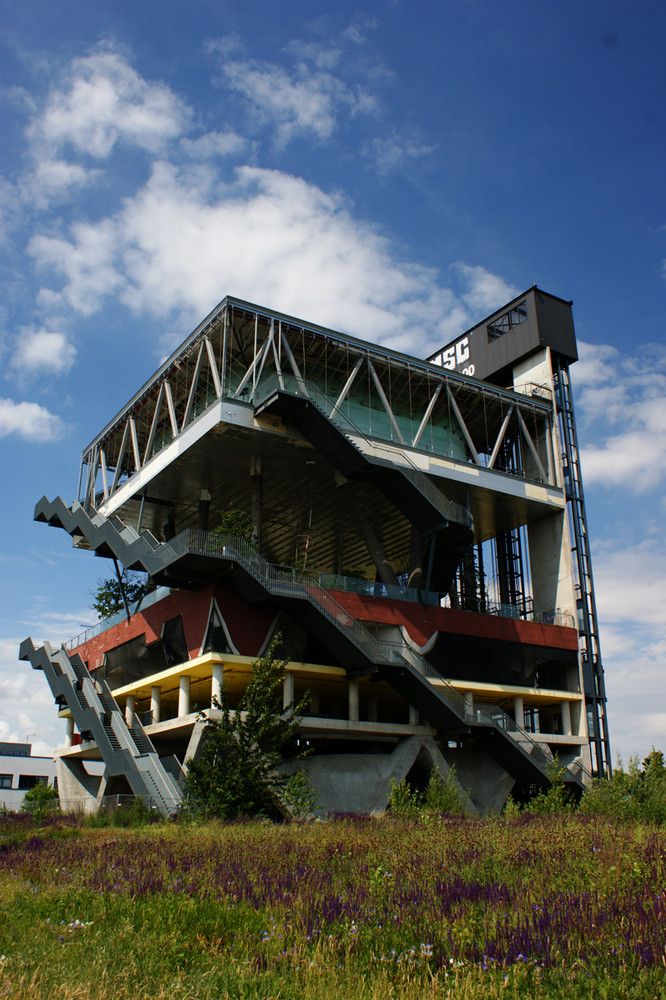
(108, 597)
(40, 800)
(235, 772)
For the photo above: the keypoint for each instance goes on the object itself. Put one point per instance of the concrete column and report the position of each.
(518, 711)
(204, 510)
(184, 696)
(216, 684)
(566, 718)
(287, 690)
(469, 706)
(69, 735)
(129, 709)
(353, 701)
(413, 716)
(155, 703)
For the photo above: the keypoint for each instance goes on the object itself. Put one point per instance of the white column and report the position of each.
(69, 735)
(216, 684)
(518, 711)
(129, 709)
(566, 718)
(155, 703)
(469, 706)
(184, 696)
(353, 701)
(287, 690)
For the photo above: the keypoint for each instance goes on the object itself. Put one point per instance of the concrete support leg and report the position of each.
(353, 701)
(216, 684)
(129, 709)
(566, 718)
(287, 690)
(184, 696)
(518, 711)
(155, 703)
(69, 735)
(204, 510)
(469, 706)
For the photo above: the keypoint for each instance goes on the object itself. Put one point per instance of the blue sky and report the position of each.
(394, 170)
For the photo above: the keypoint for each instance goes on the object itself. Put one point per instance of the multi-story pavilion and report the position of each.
(415, 531)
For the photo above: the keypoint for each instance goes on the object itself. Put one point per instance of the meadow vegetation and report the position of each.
(526, 905)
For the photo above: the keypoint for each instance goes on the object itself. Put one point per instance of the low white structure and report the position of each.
(20, 771)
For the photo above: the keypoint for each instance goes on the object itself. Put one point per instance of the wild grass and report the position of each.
(529, 906)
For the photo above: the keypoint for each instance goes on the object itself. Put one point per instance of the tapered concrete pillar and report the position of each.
(69, 734)
(184, 696)
(287, 690)
(566, 718)
(216, 684)
(155, 703)
(518, 711)
(353, 701)
(129, 709)
(204, 510)
(469, 706)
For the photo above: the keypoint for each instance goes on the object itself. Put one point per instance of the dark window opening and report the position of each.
(28, 781)
(173, 639)
(507, 322)
(216, 637)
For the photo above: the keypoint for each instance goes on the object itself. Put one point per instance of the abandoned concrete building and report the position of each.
(416, 533)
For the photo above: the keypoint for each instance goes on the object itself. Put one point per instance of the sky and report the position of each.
(393, 170)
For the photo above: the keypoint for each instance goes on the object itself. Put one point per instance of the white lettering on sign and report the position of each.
(449, 358)
(462, 351)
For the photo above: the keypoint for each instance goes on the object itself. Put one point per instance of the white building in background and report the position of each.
(20, 771)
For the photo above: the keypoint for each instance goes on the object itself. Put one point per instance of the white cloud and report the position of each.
(484, 291)
(622, 401)
(631, 582)
(395, 152)
(87, 264)
(43, 352)
(29, 421)
(53, 180)
(34, 716)
(306, 99)
(104, 101)
(213, 144)
(182, 243)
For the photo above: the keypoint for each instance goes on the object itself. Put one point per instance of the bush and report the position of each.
(441, 795)
(40, 800)
(639, 793)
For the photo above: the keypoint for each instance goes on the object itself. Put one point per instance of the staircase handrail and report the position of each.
(310, 391)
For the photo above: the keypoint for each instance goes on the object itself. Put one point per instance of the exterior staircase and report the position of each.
(125, 750)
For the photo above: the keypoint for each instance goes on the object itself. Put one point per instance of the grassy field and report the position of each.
(532, 906)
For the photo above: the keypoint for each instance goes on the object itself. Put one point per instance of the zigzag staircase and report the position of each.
(200, 555)
(315, 416)
(126, 751)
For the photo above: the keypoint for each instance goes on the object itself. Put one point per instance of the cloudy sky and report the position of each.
(394, 170)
